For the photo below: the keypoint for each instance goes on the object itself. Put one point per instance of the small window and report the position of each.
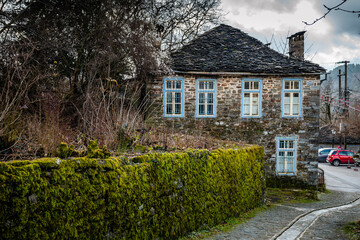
(291, 98)
(174, 97)
(286, 156)
(351, 154)
(251, 98)
(206, 98)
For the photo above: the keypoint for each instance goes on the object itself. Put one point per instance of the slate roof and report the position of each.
(227, 49)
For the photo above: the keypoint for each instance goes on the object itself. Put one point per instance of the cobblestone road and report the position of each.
(268, 224)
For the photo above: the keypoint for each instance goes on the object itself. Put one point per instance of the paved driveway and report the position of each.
(341, 178)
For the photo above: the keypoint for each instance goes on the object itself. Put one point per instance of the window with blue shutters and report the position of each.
(286, 155)
(174, 97)
(205, 98)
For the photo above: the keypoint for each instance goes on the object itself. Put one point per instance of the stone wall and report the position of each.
(229, 125)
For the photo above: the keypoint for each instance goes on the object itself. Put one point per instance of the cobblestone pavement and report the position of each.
(268, 224)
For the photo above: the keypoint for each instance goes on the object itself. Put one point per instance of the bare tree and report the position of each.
(72, 50)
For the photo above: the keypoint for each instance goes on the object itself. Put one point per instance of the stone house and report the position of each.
(229, 85)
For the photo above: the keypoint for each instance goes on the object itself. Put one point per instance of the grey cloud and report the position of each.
(279, 6)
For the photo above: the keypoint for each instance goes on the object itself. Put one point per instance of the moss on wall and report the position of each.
(165, 196)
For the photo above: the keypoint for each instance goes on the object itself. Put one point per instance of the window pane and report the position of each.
(201, 85)
(201, 109)
(255, 97)
(211, 85)
(296, 85)
(247, 85)
(178, 84)
(281, 162)
(289, 162)
(168, 84)
(246, 110)
(296, 98)
(210, 97)
(168, 108)
(291, 144)
(210, 110)
(201, 97)
(246, 98)
(255, 110)
(287, 109)
(296, 109)
(256, 85)
(177, 97)
(169, 97)
(287, 98)
(177, 108)
(281, 144)
(287, 85)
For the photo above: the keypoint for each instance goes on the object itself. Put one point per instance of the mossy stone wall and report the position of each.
(162, 197)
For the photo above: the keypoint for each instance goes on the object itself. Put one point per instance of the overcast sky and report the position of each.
(335, 38)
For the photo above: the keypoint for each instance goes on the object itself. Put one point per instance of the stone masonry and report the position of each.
(229, 55)
(229, 125)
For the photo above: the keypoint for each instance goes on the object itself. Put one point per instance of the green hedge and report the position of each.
(165, 196)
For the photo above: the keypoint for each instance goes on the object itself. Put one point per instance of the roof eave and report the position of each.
(244, 73)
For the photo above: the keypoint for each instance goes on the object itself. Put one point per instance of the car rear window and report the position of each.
(333, 152)
(325, 152)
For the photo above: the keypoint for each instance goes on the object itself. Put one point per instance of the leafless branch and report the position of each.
(329, 9)
(348, 11)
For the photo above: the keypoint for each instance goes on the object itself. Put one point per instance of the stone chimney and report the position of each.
(296, 45)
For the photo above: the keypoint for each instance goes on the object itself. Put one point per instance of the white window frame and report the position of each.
(285, 147)
(292, 90)
(174, 91)
(206, 91)
(251, 91)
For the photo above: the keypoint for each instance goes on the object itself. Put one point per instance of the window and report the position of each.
(205, 98)
(251, 98)
(292, 98)
(173, 97)
(325, 152)
(286, 155)
(343, 153)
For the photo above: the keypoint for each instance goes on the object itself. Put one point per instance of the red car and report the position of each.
(337, 157)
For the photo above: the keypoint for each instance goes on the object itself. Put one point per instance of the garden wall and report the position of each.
(158, 195)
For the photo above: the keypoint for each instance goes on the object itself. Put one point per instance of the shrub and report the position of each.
(165, 196)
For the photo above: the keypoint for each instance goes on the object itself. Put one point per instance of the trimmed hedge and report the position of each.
(165, 196)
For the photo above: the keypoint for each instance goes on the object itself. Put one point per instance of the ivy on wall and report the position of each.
(158, 195)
